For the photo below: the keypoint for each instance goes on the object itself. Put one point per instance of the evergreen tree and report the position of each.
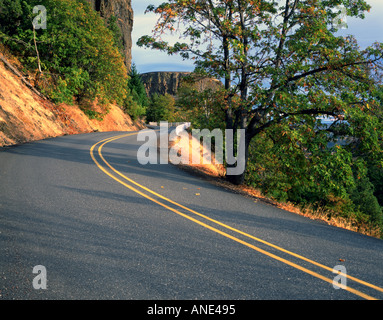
(137, 87)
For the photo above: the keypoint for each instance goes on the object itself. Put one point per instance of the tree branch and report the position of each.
(252, 130)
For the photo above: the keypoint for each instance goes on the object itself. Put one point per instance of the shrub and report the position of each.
(375, 174)
(314, 175)
(161, 108)
(365, 201)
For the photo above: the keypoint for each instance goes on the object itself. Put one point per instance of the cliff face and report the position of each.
(162, 82)
(122, 10)
(169, 82)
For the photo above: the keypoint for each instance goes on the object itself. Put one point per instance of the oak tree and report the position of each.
(283, 59)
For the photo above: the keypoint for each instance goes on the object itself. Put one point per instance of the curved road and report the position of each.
(105, 227)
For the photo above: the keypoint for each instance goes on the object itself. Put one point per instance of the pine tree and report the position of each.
(137, 87)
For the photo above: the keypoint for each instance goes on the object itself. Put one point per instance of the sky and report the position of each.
(366, 31)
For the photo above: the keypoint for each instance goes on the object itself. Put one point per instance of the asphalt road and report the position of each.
(105, 227)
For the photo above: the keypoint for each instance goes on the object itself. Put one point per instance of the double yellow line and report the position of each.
(130, 186)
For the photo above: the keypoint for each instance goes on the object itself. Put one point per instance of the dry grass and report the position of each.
(215, 173)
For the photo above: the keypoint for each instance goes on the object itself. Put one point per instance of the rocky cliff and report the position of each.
(122, 10)
(169, 82)
(162, 82)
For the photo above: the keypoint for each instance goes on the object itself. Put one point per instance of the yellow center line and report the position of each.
(315, 274)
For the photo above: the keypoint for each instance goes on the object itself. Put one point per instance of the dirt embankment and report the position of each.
(25, 116)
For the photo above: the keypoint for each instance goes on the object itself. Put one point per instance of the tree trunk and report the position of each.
(239, 178)
(236, 179)
(37, 51)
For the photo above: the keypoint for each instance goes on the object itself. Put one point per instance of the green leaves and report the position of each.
(79, 54)
(161, 108)
(135, 105)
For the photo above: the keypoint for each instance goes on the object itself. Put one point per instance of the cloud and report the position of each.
(148, 60)
(367, 30)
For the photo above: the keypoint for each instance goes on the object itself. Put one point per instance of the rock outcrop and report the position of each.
(169, 82)
(162, 82)
(122, 10)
